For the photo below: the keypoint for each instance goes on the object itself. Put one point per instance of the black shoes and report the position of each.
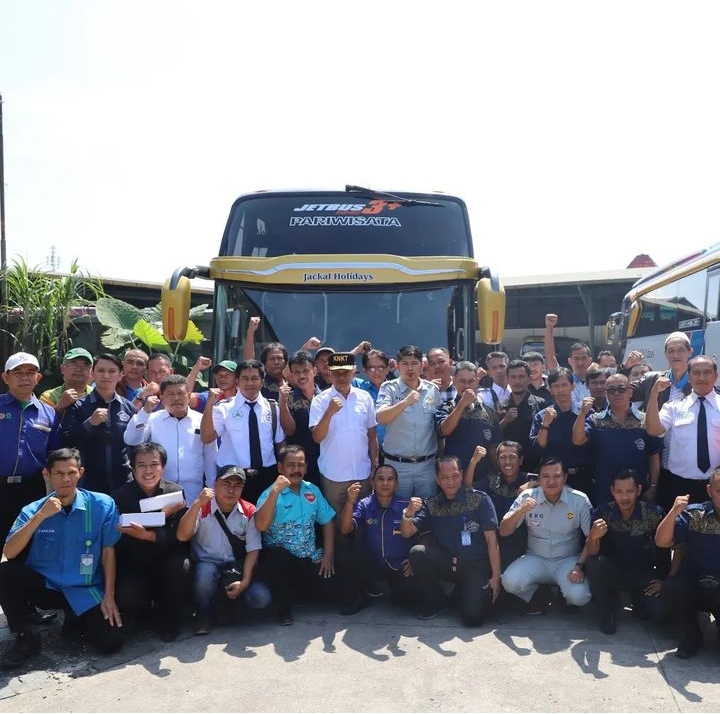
(538, 602)
(359, 603)
(203, 624)
(432, 609)
(26, 645)
(689, 644)
(283, 616)
(608, 623)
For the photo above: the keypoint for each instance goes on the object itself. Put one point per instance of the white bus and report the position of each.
(682, 296)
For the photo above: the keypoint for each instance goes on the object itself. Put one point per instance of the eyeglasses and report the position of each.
(617, 390)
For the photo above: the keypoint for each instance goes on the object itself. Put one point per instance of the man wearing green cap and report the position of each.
(225, 379)
(75, 370)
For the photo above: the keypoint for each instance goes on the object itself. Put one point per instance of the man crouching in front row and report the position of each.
(60, 554)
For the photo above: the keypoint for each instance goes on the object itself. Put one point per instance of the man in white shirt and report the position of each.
(176, 427)
(248, 427)
(693, 449)
(342, 421)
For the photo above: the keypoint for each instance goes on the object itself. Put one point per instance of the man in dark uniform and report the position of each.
(383, 552)
(151, 560)
(464, 524)
(696, 529)
(503, 488)
(294, 408)
(28, 431)
(622, 557)
(96, 425)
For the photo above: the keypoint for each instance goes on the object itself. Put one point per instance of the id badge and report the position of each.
(465, 538)
(86, 564)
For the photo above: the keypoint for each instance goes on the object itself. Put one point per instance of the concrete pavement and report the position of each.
(379, 660)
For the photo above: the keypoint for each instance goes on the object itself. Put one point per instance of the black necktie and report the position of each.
(255, 450)
(703, 452)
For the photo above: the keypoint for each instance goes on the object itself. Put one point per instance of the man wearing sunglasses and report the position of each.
(619, 441)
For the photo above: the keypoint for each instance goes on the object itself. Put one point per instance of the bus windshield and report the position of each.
(339, 319)
(300, 223)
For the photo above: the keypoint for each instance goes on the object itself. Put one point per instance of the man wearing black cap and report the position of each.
(342, 420)
(225, 547)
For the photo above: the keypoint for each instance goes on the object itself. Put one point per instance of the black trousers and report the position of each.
(289, 577)
(20, 584)
(607, 581)
(167, 586)
(688, 595)
(432, 565)
(358, 569)
(14, 496)
(670, 486)
(257, 481)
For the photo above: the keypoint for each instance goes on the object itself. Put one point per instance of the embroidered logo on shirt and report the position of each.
(570, 516)
(309, 497)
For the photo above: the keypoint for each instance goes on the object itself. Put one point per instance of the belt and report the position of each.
(408, 459)
(11, 479)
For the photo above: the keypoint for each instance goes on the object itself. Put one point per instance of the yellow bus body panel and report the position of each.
(318, 270)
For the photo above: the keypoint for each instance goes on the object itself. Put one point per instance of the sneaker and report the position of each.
(375, 589)
(359, 603)
(26, 645)
(608, 623)
(283, 616)
(38, 617)
(203, 624)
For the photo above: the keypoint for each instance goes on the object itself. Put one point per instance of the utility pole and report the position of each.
(4, 322)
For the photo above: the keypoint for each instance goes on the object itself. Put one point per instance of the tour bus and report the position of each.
(346, 267)
(682, 296)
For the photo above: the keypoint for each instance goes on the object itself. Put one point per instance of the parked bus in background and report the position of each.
(346, 266)
(682, 296)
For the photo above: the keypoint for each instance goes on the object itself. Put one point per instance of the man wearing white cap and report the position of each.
(28, 431)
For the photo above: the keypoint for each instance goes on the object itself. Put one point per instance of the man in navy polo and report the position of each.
(28, 431)
(696, 529)
(622, 554)
(67, 540)
(464, 525)
(618, 440)
(383, 552)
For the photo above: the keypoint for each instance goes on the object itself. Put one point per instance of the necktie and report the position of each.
(255, 450)
(703, 452)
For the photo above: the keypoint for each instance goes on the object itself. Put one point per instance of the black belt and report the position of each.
(408, 459)
(14, 479)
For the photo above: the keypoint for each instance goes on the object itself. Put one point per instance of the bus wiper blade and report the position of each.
(351, 188)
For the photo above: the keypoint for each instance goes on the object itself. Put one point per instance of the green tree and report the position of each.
(127, 326)
(42, 308)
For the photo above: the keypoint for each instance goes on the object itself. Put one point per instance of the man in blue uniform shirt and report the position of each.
(60, 553)
(383, 553)
(464, 526)
(622, 555)
(28, 431)
(96, 426)
(696, 529)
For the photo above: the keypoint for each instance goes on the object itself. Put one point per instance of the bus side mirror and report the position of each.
(490, 295)
(175, 303)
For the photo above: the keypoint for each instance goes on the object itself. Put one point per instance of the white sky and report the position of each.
(580, 134)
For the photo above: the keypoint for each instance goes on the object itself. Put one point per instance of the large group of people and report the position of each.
(128, 499)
